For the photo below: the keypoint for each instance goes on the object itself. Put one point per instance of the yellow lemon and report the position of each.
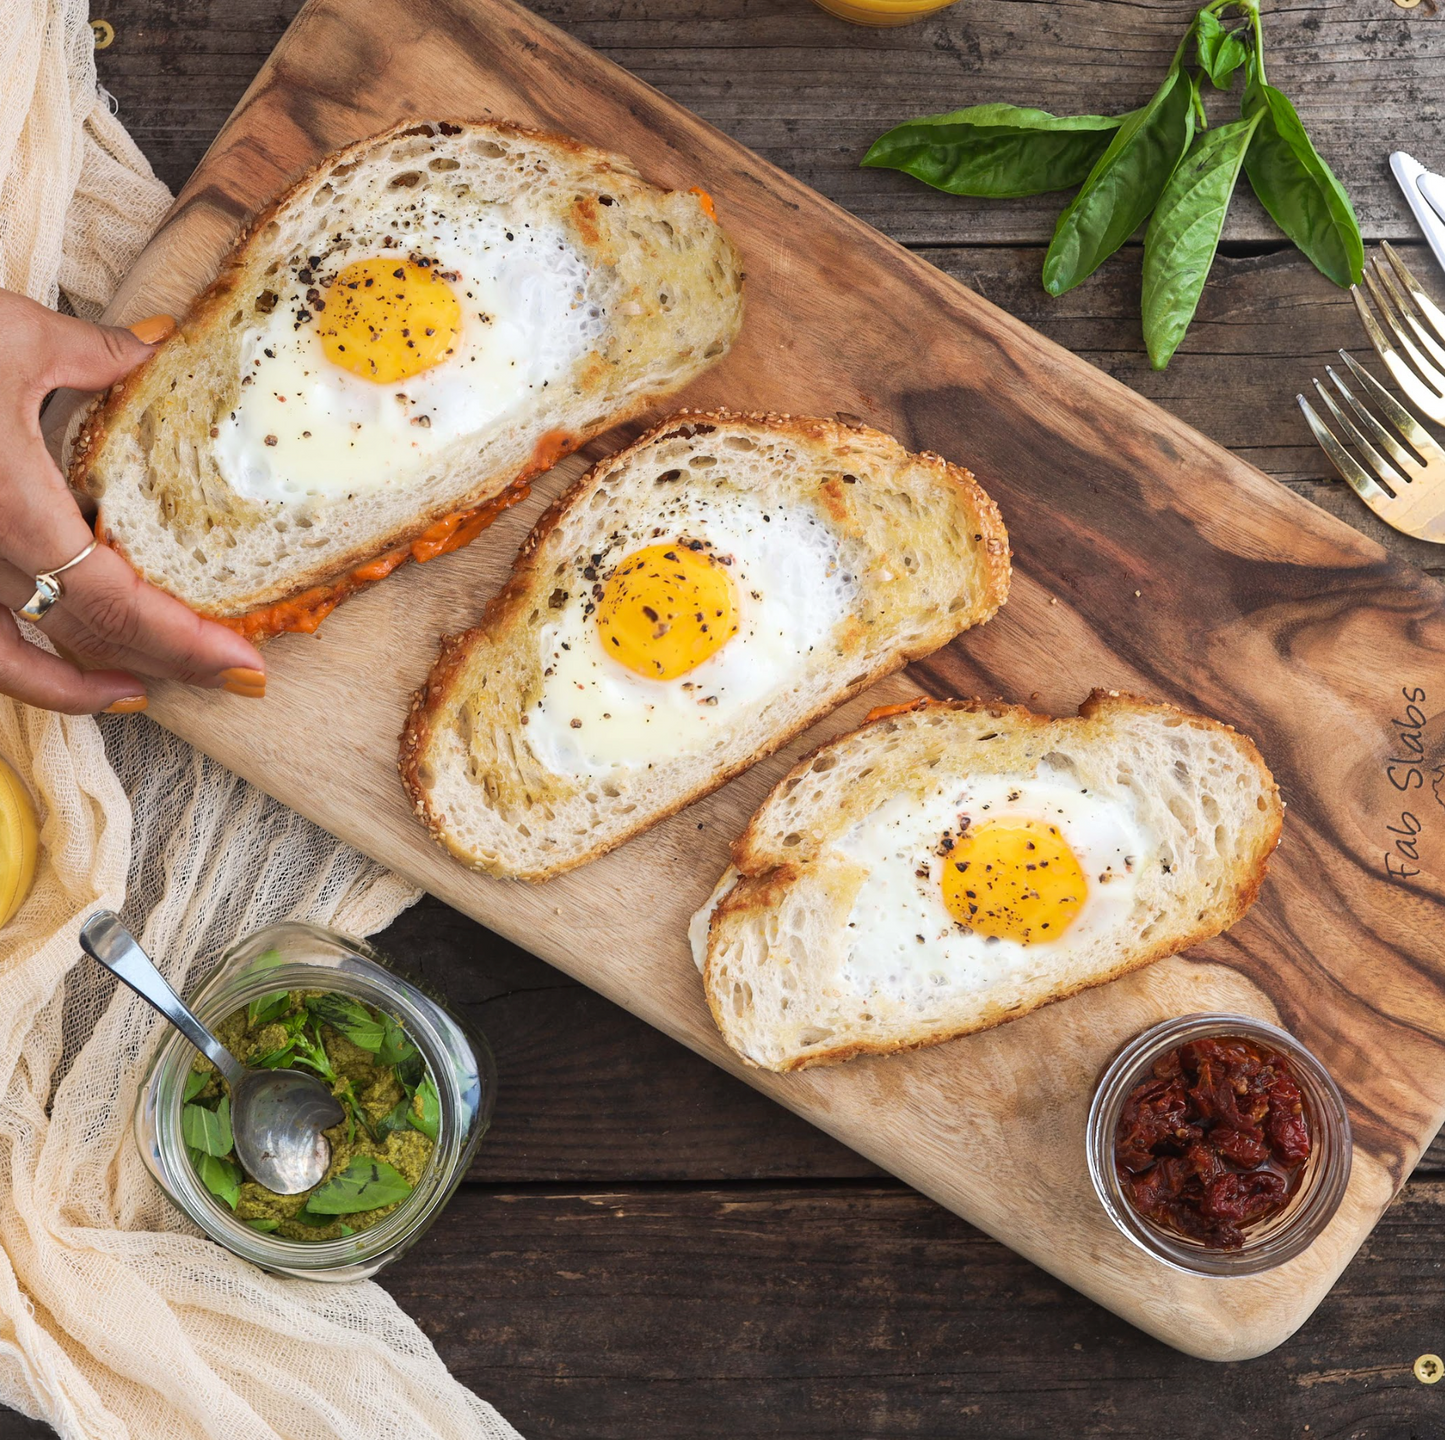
(19, 843)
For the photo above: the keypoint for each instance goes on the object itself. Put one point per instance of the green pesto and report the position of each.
(371, 1091)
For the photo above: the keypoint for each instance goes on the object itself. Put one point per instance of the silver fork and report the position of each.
(1415, 322)
(1408, 494)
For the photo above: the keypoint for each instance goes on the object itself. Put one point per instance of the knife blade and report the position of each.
(1428, 204)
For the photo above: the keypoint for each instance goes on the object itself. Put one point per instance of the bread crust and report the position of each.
(760, 881)
(107, 414)
(441, 691)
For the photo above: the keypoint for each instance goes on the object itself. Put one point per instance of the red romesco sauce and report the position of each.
(1215, 1141)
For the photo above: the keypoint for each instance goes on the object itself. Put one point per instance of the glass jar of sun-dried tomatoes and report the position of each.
(1298, 1154)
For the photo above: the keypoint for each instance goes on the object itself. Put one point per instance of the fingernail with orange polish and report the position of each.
(131, 705)
(240, 680)
(154, 330)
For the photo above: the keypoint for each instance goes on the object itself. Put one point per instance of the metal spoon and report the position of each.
(277, 1116)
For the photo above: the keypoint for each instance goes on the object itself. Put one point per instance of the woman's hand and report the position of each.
(111, 626)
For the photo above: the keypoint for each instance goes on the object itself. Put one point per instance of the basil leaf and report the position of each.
(196, 1081)
(995, 151)
(395, 1049)
(221, 1177)
(266, 1224)
(430, 1118)
(411, 1072)
(1124, 185)
(266, 1008)
(306, 1218)
(1184, 234)
(1298, 189)
(275, 1059)
(363, 1185)
(1221, 52)
(397, 1118)
(346, 1230)
(208, 1130)
(350, 1018)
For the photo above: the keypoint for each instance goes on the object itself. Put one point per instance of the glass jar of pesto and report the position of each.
(416, 1082)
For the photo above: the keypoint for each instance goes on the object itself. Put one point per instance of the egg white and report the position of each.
(792, 589)
(305, 430)
(901, 940)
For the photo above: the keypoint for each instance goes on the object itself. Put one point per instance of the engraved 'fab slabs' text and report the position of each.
(1406, 769)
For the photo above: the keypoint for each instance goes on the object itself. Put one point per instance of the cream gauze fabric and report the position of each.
(118, 1320)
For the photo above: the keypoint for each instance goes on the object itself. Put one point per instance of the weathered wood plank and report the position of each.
(866, 1310)
(14, 1426)
(810, 92)
(839, 1311)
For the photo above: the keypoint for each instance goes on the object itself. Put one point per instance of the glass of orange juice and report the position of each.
(883, 12)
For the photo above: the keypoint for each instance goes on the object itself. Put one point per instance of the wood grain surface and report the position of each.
(1147, 556)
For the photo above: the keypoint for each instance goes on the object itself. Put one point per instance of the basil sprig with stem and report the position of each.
(996, 152)
(1149, 163)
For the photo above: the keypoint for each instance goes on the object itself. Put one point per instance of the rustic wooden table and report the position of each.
(646, 1247)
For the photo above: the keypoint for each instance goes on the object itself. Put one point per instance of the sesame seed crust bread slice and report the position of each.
(926, 544)
(771, 940)
(665, 280)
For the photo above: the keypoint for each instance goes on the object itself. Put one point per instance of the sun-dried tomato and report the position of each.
(1288, 1131)
(1215, 1141)
(1246, 1148)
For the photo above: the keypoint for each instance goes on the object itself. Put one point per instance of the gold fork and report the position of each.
(1403, 307)
(1408, 494)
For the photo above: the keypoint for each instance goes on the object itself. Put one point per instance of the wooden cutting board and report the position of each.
(1146, 557)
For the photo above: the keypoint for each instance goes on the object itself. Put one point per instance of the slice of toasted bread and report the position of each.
(663, 299)
(776, 940)
(906, 551)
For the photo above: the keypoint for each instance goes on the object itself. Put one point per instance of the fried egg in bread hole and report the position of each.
(985, 878)
(954, 865)
(681, 621)
(418, 328)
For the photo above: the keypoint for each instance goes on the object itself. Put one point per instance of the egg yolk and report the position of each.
(388, 319)
(1012, 880)
(666, 609)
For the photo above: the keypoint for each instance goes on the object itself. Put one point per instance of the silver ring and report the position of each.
(48, 589)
